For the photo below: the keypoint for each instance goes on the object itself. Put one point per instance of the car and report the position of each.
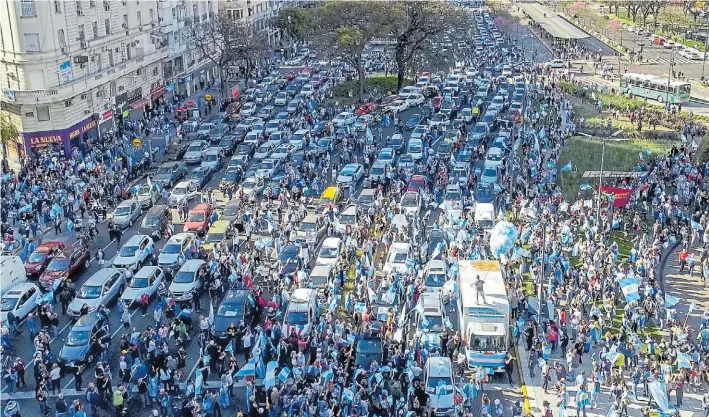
(288, 261)
(220, 232)
(310, 230)
(406, 92)
(175, 252)
(183, 191)
(490, 120)
(156, 221)
(411, 203)
(169, 173)
(104, 286)
(188, 279)
(232, 176)
(227, 144)
(239, 306)
(366, 108)
(348, 219)
(484, 193)
(494, 157)
(20, 300)
(350, 173)
(369, 347)
(273, 126)
(263, 97)
(557, 63)
(198, 219)
(126, 213)
(293, 106)
(489, 175)
(388, 156)
(344, 119)
(64, 265)
(378, 172)
(307, 90)
(416, 183)
(479, 132)
(145, 281)
(195, 151)
(281, 152)
(396, 142)
(253, 185)
(439, 384)
(249, 109)
(80, 348)
(439, 120)
(406, 161)
(399, 252)
(263, 151)
(330, 251)
(420, 132)
(268, 168)
(134, 252)
(398, 106)
(200, 176)
(362, 122)
(430, 310)
(41, 256)
(415, 99)
(413, 121)
(437, 244)
(281, 99)
(266, 113)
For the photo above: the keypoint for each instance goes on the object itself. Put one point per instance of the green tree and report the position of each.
(296, 22)
(8, 132)
(227, 42)
(345, 28)
(417, 25)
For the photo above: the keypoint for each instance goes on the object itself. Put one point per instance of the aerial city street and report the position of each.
(354, 208)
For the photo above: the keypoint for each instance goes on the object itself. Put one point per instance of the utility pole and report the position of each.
(706, 41)
(669, 76)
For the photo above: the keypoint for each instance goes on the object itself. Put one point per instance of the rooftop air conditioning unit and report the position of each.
(83, 96)
(79, 12)
(84, 44)
(125, 26)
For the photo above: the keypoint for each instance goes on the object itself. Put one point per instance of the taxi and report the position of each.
(330, 197)
(219, 231)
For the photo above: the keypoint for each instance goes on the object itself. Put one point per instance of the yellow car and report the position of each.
(220, 231)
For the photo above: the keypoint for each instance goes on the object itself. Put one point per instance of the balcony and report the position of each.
(85, 83)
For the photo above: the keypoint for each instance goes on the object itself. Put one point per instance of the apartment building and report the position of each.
(70, 70)
(257, 13)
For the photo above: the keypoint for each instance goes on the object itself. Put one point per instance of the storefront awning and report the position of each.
(139, 104)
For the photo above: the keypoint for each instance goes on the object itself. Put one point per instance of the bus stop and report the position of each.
(552, 25)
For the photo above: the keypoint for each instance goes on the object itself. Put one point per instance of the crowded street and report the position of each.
(279, 252)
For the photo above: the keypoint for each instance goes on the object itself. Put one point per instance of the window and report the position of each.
(107, 22)
(94, 29)
(43, 114)
(125, 21)
(28, 8)
(140, 19)
(32, 42)
(57, 6)
(151, 14)
(99, 62)
(61, 38)
(82, 33)
(78, 6)
(174, 13)
(110, 60)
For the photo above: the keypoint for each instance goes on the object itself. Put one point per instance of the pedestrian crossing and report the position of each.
(677, 61)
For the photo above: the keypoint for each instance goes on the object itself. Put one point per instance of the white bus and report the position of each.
(655, 88)
(485, 327)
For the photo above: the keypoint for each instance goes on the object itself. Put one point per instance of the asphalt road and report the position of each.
(23, 345)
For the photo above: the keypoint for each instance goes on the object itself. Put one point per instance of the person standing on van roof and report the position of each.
(479, 290)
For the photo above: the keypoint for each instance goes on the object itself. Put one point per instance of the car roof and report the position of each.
(400, 246)
(182, 184)
(349, 210)
(145, 271)
(19, 289)
(87, 321)
(156, 209)
(332, 242)
(135, 240)
(180, 237)
(100, 276)
(191, 265)
(127, 203)
(201, 207)
(236, 295)
(439, 366)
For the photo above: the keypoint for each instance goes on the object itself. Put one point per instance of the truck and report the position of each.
(485, 215)
(485, 325)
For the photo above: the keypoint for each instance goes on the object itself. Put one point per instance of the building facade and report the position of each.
(258, 13)
(70, 70)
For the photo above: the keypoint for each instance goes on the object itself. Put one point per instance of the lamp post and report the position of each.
(706, 41)
(669, 76)
(600, 178)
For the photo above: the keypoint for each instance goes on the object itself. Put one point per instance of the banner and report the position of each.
(622, 195)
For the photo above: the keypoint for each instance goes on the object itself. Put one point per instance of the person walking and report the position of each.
(55, 376)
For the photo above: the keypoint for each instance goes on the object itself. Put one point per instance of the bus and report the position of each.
(485, 327)
(655, 88)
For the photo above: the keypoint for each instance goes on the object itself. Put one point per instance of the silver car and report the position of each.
(102, 287)
(126, 213)
(195, 151)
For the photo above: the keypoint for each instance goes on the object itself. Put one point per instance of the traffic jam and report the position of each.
(294, 255)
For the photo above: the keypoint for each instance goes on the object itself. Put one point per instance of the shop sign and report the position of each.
(106, 116)
(39, 140)
(185, 79)
(121, 99)
(135, 95)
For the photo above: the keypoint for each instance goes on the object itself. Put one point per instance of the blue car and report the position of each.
(200, 176)
(318, 128)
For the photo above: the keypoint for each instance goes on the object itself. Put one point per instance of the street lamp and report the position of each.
(669, 76)
(600, 178)
(706, 41)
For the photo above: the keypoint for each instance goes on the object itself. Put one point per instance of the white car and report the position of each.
(184, 190)
(439, 120)
(350, 173)
(494, 157)
(20, 299)
(330, 251)
(396, 259)
(249, 109)
(134, 252)
(362, 122)
(398, 106)
(349, 217)
(307, 90)
(145, 281)
(411, 203)
(420, 132)
(174, 253)
(489, 175)
(406, 92)
(557, 63)
(281, 99)
(268, 168)
(415, 99)
(344, 119)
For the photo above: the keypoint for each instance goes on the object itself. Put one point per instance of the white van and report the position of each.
(12, 272)
(415, 149)
(301, 312)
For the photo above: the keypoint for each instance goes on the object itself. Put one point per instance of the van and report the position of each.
(301, 312)
(188, 279)
(415, 149)
(321, 276)
(12, 272)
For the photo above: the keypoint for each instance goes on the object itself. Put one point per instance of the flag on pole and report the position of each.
(585, 187)
(270, 379)
(568, 167)
(210, 319)
(283, 375)
(248, 370)
(630, 287)
(230, 347)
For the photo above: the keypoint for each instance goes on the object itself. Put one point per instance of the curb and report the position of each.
(663, 264)
(527, 405)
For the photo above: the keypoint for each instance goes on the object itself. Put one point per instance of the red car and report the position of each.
(416, 183)
(436, 102)
(289, 75)
(64, 265)
(40, 258)
(365, 109)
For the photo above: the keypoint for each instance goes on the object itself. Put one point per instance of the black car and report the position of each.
(227, 144)
(413, 121)
(81, 345)
(297, 159)
(170, 173)
(369, 347)
(396, 144)
(156, 219)
(200, 176)
(246, 149)
(238, 306)
(444, 149)
(436, 237)
(289, 259)
(215, 135)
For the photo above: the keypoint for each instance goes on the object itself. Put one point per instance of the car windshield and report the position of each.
(231, 175)
(58, 265)
(453, 195)
(183, 277)
(179, 191)
(378, 170)
(8, 304)
(122, 211)
(398, 257)
(230, 309)
(165, 170)
(128, 251)
(479, 128)
(195, 148)
(435, 382)
(348, 219)
(266, 165)
(138, 283)
(288, 254)
(144, 190)
(215, 237)
(212, 157)
(90, 292)
(230, 210)
(297, 318)
(152, 220)
(414, 148)
(492, 156)
(409, 200)
(307, 226)
(244, 148)
(495, 343)
(369, 346)
(366, 198)
(197, 174)
(196, 217)
(37, 257)
(172, 248)
(77, 338)
(329, 253)
(435, 280)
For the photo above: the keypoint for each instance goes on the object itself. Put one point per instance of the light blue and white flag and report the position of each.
(585, 187)
(270, 378)
(283, 375)
(249, 369)
(684, 360)
(567, 168)
(671, 301)
(630, 288)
